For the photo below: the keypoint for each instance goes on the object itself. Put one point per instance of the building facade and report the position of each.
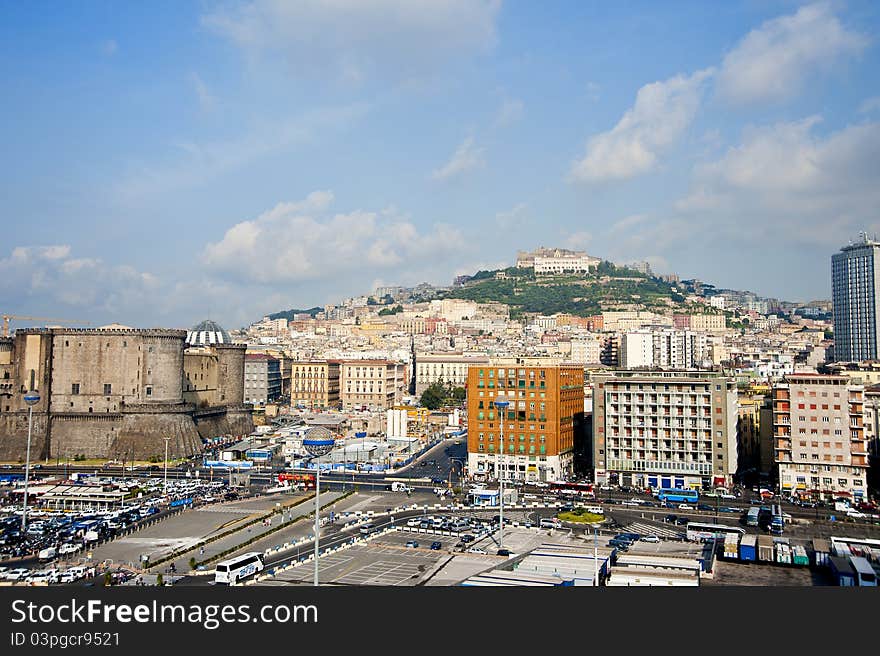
(543, 419)
(854, 289)
(376, 384)
(262, 378)
(315, 384)
(819, 436)
(664, 429)
(449, 369)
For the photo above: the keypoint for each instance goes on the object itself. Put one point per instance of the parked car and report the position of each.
(670, 519)
(412, 544)
(436, 546)
(477, 550)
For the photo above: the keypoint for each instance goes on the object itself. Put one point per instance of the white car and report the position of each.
(477, 550)
(684, 506)
(650, 538)
(415, 521)
(17, 574)
(68, 548)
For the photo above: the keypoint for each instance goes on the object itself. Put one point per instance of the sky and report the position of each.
(166, 162)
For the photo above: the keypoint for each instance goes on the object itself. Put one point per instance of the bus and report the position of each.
(698, 532)
(754, 516)
(777, 520)
(677, 494)
(235, 569)
(298, 481)
(582, 490)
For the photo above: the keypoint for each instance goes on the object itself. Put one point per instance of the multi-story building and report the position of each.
(544, 418)
(664, 348)
(872, 434)
(447, 368)
(262, 378)
(707, 323)
(586, 351)
(664, 429)
(377, 384)
(558, 265)
(819, 436)
(854, 283)
(315, 383)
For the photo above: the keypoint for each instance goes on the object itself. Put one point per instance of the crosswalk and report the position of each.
(653, 529)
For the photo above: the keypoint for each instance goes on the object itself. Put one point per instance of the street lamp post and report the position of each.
(317, 442)
(166, 438)
(31, 398)
(501, 404)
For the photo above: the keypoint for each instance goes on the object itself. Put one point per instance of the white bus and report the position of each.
(235, 569)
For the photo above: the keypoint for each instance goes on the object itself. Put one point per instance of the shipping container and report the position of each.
(765, 548)
(799, 555)
(748, 549)
(821, 552)
(731, 546)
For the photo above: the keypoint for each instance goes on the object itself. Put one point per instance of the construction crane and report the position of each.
(7, 317)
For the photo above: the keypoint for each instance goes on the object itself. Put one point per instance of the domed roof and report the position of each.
(207, 333)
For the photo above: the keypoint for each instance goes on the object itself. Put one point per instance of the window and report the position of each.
(107, 389)
(74, 388)
(149, 390)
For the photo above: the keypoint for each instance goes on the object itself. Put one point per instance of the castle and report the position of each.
(118, 392)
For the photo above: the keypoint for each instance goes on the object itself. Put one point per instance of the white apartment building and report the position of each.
(586, 351)
(855, 286)
(664, 429)
(664, 348)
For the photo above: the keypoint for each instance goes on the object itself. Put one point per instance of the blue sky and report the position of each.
(164, 162)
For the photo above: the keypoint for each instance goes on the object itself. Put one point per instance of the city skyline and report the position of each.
(228, 161)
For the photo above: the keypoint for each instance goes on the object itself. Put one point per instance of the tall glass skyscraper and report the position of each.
(855, 277)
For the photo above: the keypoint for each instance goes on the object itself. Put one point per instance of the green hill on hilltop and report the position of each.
(608, 288)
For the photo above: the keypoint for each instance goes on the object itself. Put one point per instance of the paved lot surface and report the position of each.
(189, 528)
(754, 574)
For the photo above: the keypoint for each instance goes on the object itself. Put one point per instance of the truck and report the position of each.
(397, 486)
(748, 548)
(765, 548)
(799, 555)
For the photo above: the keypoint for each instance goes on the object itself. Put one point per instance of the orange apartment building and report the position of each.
(545, 414)
(819, 436)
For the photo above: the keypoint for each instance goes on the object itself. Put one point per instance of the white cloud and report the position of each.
(197, 162)
(513, 217)
(353, 40)
(46, 278)
(774, 61)
(787, 181)
(308, 243)
(466, 157)
(661, 114)
(511, 111)
(207, 101)
(870, 105)
(579, 240)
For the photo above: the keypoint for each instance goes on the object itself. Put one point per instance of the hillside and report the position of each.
(609, 288)
(289, 314)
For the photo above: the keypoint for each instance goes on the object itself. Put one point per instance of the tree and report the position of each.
(459, 393)
(434, 396)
